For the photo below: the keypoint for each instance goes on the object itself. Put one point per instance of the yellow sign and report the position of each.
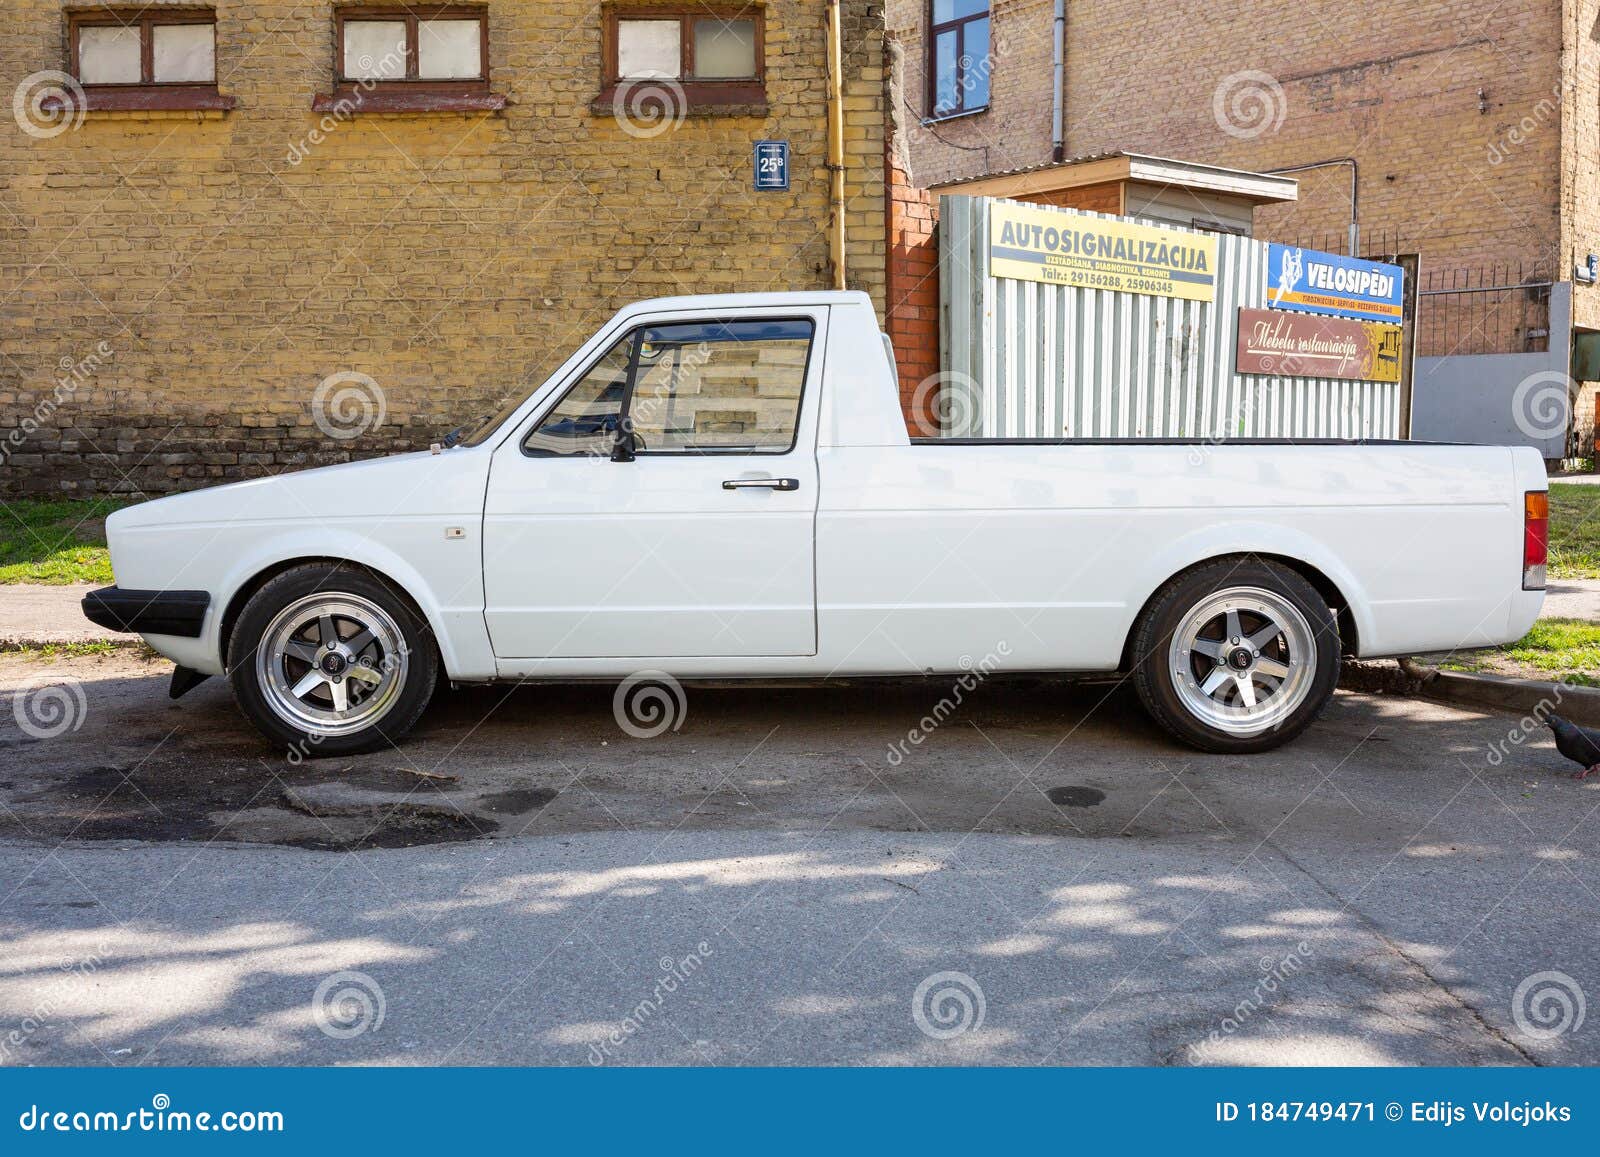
(1061, 248)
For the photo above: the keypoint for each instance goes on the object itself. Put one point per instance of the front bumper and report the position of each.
(180, 613)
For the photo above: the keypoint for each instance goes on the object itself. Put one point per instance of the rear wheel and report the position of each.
(331, 660)
(1236, 656)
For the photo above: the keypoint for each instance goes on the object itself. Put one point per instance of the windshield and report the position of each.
(487, 426)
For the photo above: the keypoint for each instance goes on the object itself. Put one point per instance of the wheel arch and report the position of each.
(1332, 594)
(247, 589)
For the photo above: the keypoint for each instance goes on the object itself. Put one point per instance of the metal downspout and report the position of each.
(1058, 113)
(836, 251)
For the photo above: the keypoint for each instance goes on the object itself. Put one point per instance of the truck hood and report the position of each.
(415, 483)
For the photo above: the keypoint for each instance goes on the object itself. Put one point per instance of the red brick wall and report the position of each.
(912, 313)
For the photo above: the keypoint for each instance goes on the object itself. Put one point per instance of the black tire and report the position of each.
(1181, 602)
(414, 672)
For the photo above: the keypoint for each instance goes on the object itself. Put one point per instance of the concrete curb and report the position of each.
(1534, 697)
(1499, 693)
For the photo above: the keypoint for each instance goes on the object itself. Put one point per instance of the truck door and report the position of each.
(664, 504)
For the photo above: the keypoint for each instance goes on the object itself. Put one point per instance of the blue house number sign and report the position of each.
(772, 165)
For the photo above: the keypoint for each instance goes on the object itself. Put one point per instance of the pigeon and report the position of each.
(1578, 744)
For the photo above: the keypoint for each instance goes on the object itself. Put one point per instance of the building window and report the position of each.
(959, 63)
(147, 58)
(713, 53)
(425, 43)
(411, 58)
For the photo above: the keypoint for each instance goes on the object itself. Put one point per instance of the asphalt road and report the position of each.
(1041, 878)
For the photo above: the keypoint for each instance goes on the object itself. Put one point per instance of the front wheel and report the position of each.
(1236, 656)
(331, 660)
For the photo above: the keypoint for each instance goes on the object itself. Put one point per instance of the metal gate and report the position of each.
(1028, 360)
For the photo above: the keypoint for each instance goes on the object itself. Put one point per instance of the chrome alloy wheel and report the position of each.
(332, 664)
(1243, 660)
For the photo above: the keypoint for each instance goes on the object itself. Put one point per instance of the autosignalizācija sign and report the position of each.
(1062, 248)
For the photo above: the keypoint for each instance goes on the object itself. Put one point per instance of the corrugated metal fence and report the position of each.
(1026, 360)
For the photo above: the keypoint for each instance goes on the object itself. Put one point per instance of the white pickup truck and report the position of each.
(724, 488)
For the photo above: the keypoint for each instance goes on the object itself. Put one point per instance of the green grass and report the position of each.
(1554, 649)
(1574, 531)
(51, 651)
(55, 542)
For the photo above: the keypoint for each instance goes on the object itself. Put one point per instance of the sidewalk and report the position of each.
(1572, 599)
(48, 614)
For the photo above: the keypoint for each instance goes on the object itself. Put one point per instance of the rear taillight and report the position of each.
(1535, 539)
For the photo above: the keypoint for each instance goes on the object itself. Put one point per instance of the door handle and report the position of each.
(762, 484)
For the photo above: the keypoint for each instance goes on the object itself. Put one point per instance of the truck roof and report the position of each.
(713, 301)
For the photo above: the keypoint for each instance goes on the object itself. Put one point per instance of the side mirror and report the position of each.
(624, 443)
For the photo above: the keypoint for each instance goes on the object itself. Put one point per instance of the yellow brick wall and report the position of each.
(454, 259)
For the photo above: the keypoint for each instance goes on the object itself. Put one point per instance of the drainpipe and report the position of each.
(1058, 136)
(1355, 193)
(836, 144)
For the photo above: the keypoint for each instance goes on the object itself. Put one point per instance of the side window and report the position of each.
(701, 387)
(720, 386)
(585, 421)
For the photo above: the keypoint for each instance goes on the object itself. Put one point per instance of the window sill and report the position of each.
(955, 116)
(147, 98)
(353, 99)
(669, 100)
